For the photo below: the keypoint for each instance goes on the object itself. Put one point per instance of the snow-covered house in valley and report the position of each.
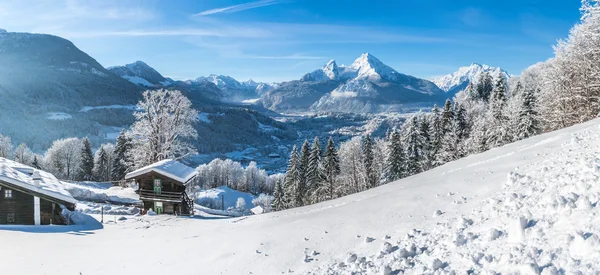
(162, 187)
(31, 197)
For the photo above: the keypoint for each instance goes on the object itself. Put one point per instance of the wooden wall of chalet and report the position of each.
(146, 182)
(21, 205)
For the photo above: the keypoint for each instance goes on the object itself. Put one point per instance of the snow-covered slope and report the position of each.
(551, 181)
(457, 81)
(139, 73)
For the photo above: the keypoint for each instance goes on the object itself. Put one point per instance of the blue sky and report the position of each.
(277, 40)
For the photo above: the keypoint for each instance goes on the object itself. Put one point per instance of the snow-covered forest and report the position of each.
(563, 91)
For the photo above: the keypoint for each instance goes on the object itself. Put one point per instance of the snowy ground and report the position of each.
(527, 207)
(102, 192)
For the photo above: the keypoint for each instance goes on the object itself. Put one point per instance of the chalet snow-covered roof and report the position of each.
(20, 175)
(169, 168)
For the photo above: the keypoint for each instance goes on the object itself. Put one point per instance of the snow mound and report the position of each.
(101, 192)
(549, 210)
(84, 221)
(211, 198)
(109, 209)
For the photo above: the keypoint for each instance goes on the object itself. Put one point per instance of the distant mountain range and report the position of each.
(365, 86)
(458, 81)
(49, 89)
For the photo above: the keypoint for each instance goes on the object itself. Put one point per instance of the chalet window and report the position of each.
(10, 218)
(8, 194)
(157, 186)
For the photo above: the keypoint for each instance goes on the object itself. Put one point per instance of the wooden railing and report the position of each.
(163, 195)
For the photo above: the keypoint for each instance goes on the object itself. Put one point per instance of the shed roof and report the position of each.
(169, 168)
(20, 175)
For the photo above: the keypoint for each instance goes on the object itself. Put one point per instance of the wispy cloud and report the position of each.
(242, 7)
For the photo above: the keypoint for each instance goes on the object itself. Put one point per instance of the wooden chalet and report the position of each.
(162, 187)
(31, 197)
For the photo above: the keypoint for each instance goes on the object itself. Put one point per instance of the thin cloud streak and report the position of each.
(241, 7)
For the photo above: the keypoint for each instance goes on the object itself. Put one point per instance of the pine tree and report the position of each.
(101, 165)
(331, 168)
(86, 168)
(461, 129)
(436, 135)
(292, 180)
(279, 202)
(395, 161)
(527, 119)
(368, 162)
(123, 160)
(497, 134)
(425, 133)
(484, 87)
(414, 146)
(315, 171)
(447, 117)
(36, 163)
(450, 149)
(303, 171)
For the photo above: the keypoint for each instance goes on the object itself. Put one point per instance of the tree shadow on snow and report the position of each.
(79, 230)
(198, 217)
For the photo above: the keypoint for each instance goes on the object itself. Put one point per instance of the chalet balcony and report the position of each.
(165, 196)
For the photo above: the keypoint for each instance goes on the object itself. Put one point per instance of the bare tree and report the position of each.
(63, 157)
(164, 122)
(23, 154)
(5, 147)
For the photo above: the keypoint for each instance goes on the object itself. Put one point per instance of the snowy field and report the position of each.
(528, 207)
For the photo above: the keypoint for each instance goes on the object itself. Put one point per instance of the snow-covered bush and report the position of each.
(241, 204)
(264, 201)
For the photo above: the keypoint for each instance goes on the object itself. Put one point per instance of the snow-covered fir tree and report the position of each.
(527, 124)
(395, 162)
(331, 169)
(315, 170)
(86, 168)
(436, 134)
(279, 202)
(369, 162)
(497, 131)
(413, 142)
(292, 180)
(447, 117)
(101, 165)
(450, 144)
(484, 87)
(303, 173)
(123, 161)
(36, 163)
(425, 133)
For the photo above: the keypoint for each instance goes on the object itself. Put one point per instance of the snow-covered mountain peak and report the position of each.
(331, 69)
(368, 66)
(458, 80)
(141, 74)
